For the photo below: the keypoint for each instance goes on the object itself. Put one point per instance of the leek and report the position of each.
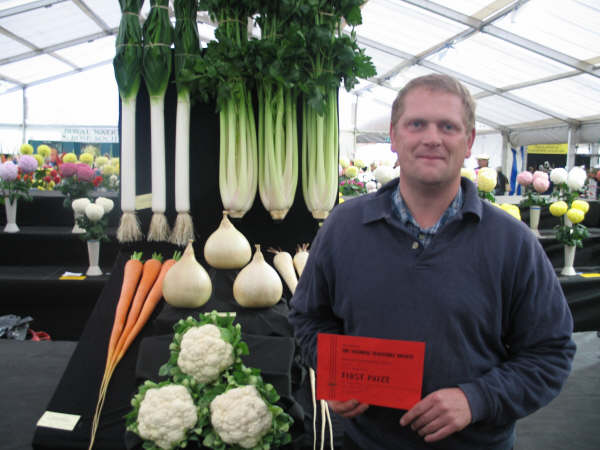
(158, 37)
(127, 65)
(187, 50)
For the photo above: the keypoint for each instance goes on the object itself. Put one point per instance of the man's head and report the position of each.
(483, 160)
(430, 133)
(437, 82)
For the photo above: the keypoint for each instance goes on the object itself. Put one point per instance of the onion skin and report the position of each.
(186, 284)
(226, 247)
(257, 285)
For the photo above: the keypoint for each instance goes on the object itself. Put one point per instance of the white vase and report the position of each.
(534, 219)
(568, 269)
(93, 256)
(76, 228)
(11, 216)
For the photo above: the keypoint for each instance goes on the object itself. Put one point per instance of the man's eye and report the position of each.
(416, 124)
(448, 127)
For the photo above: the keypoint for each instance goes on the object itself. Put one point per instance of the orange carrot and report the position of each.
(150, 272)
(131, 276)
(153, 298)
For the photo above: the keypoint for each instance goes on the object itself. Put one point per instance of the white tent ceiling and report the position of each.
(532, 65)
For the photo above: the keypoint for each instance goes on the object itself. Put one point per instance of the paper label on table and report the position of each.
(143, 201)
(590, 275)
(59, 421)
(72, 276)
(381, 372)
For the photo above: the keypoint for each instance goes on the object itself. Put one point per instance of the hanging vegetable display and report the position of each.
(187, 50)
(277, 74)
(158, 37)
(224, 67)
(331, 56)
(127, 64)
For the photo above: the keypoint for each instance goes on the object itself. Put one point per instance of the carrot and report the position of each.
(131, 276)
(150, 272)
(154, 296)
(144, 306)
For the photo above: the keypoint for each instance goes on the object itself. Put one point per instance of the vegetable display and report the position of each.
(330, 56)
(141, 292)
(165, 415)
(187, 50)
(284, 264)
(235, 408)
(277, 63)
(127, 65)
(257, 285)
(158, 37)
(300, 258)
(226, 247)
(224, 68)
(187, 285)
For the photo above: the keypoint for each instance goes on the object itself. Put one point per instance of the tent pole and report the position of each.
(571, 148)
(24, 120)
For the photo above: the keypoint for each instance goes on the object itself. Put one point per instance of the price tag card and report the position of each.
(381, 372)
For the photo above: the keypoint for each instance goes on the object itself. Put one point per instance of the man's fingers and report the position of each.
(414, 412)
(439, 434)
(350, 408)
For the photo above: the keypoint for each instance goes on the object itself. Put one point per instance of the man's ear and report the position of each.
(470, 140)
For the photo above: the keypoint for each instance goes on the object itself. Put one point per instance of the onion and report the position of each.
(300, 258)
(257, 285)
(226, 247)
(186, 284)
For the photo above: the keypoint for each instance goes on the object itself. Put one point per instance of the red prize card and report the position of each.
(382, 372)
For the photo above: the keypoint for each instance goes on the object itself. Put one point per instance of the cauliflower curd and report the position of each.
(166, 414)
(240, 416)
(204, 354)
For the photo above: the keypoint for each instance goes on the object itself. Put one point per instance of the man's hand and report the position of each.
(439, 414)
(348, 409)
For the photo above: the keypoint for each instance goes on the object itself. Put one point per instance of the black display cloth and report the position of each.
(269, 338)
(58, 307)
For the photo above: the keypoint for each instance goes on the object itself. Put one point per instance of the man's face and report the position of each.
(482, 162)
(430, 138)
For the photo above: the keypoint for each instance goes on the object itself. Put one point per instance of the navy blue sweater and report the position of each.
(483, 297)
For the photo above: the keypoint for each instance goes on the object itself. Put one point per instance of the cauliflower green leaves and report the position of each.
(202, 349)
(216, 399)
(164, 415)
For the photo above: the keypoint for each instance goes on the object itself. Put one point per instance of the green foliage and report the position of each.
(158, 37)
(236, 376)
(127, 62)
(187, 42)
(571, 235)
(73, 188)
(487, 196)
(351, 186)
(94, 231)
(533, 198)
(14, 190)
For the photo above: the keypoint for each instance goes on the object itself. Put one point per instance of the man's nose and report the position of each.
(431, 135)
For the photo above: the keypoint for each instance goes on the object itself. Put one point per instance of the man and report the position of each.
(424, 259)
(502, 185)
(482, 161)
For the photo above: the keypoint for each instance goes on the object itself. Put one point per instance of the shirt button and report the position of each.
(415, 245)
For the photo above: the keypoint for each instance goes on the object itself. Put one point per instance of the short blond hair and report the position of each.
(437, 82)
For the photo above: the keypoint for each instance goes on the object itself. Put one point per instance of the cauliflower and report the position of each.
(204, 354)
(165, 415)
(240, 416)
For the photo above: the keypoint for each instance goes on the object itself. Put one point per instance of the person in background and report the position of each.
(482, 161)
(425, 259)
(502, 185)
